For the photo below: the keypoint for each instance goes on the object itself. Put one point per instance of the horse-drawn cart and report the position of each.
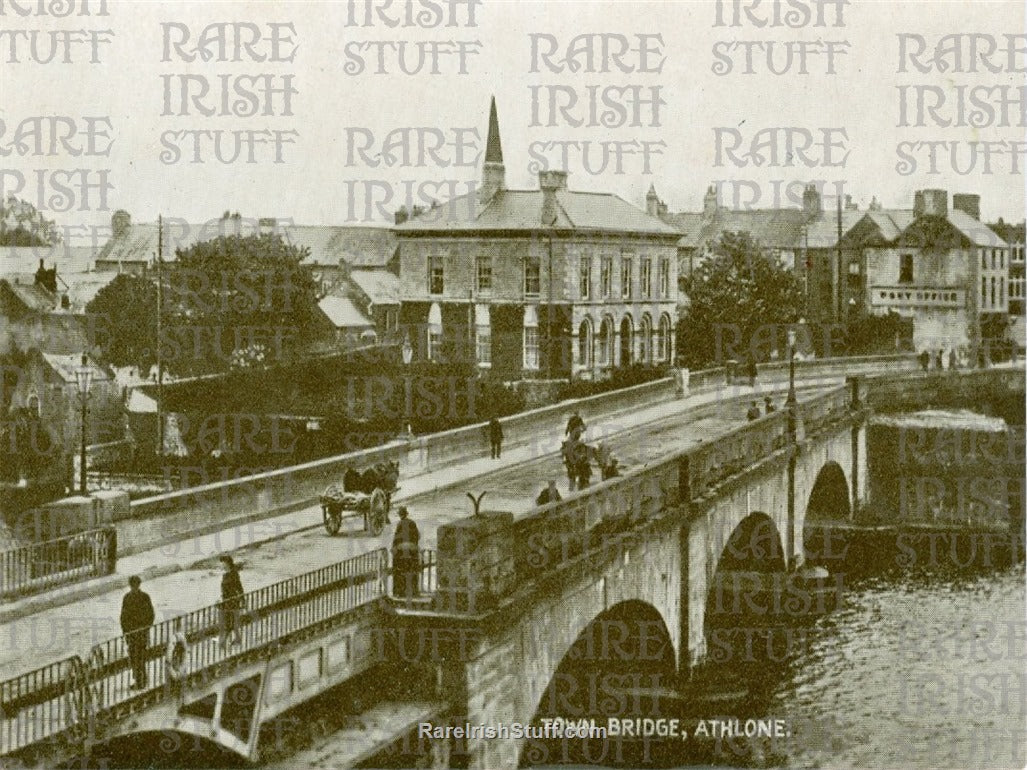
(365, 493)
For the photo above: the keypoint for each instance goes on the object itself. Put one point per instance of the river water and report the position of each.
(912, 670)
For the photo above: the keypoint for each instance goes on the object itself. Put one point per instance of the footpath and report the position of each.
(185, 575)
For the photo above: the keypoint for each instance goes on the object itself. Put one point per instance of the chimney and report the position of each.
(652, 202)
(401, 215)
(709, 201)
(968, 204)
(550, 182)
(267, 225)
(850, 205)
(493, 173)
(875, 205)
(918, 204)
(121, 221)
(661, 209)
(46, 278)
(811, 203)
(933, 203)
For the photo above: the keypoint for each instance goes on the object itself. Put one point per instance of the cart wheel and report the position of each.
(376, 511)
(332, 519)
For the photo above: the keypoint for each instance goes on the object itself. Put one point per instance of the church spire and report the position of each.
(493, 150)
(493, 173)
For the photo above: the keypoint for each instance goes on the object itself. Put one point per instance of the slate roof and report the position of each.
(343, 313)
(1009, 232)
(774, 228)
(34, 297)
(380, 286)
(522, 210)
(65, 366)
(978, 233)
(357, 246)
(25, 259)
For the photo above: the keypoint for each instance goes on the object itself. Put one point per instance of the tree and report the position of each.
(227, 298)
(125, 312)
(21, 224)
(738, 302)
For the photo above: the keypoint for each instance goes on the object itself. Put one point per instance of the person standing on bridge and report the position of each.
(232, 601)
(750, 369)
(406, 557)
(495, 438)
(575, 426)
(136, 618)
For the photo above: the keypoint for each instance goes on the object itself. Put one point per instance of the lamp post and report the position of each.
(408, 356)
(83, 378)
(792, 402)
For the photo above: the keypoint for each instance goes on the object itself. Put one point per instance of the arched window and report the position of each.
(627, 341)
(663, 339)
(482, 335)
(645, 341)
(606, 342)
(585, 343)
(434, 332)
(531, 346)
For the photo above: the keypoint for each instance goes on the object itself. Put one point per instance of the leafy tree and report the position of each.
(736, 299)
(21, 224)
(231, 296)
(125, 311)
(234, 301)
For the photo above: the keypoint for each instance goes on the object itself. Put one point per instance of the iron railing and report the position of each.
(37, 567)
(65, 696)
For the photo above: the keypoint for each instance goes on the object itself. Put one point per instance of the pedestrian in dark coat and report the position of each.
(136, 618)
(232, 601)
(750, 368)
(925, 360)
(548, 495)
(495, 438)
(938, 360)
(406, 557)
(575, 426)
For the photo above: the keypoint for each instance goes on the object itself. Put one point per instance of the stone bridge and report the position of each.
(627, 578)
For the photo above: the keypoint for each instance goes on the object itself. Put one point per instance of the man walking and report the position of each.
(136, 619)
(495, 438)
(750, 369)
(575, 426)
(406, 556)
(232, 601)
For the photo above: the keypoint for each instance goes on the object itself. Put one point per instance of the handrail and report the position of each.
(60, 696)
(36, 567)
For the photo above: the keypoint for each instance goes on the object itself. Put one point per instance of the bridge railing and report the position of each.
(38, 567)
(489, 566)
(66, 695)
(825, 408)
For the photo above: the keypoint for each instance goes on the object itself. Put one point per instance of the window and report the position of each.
(663, 340)
(606, 342)
(645, 342)
(434, 332)
(993, 291)
(391, 319)
(1002, 259)
(984, 259)
(482, 335)
(906, 268)
(645, 277)
(585, 343)
(483, 274)
(994, 253)
(585, 277)
(436, 274)
(625, 277)
(984, 291)
(664, 278)
(532, 276)
(1001, 291)
(531, 347)
(605, 268)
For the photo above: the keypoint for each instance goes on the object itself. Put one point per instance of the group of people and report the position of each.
(137, 616)
(938, 359)
(753, 412)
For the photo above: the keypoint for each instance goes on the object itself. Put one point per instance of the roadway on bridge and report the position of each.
(636, 438)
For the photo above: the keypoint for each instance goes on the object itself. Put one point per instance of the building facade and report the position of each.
(940, 266)
(1014, 235)
(538, 284)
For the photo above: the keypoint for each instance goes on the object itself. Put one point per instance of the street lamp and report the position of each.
(83, 378)
(791, 401)
(408, 356)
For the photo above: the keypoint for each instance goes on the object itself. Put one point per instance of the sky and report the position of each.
(337, 108)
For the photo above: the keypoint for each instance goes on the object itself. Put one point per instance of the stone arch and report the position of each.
(754, 551)
(627, 648)
(829, 499)
(586, 357)
(627, 341)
